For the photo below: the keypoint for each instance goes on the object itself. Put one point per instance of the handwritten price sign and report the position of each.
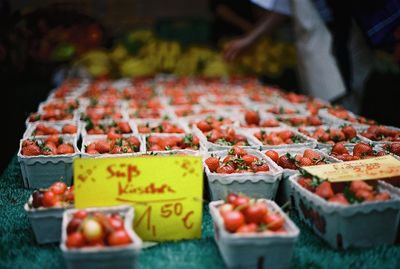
(368, 169)
(165, 191)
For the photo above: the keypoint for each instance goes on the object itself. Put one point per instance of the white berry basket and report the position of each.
(258, 185)
(368, 224)
(45, 222)
(116, 257)
(273, 250)
(284, 190)
(30, 130)
(210, 146)
(380, 142)
(107, 122)
(43, 170)
(93, 138)
(331, 119)
(321, 145)
(308, 142)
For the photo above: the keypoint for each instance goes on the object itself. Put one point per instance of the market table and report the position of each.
(18, 248)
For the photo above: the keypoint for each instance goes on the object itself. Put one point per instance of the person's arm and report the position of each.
(272, 21)
(231, 17)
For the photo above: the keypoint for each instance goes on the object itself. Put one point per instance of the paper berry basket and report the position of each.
(154, 126)
(102, 257)
(45, 222)
(255, 250)
(306, 141)
(367, 224)
(284, 190)
(331, 119)
(43, 170)
(86, 140)
(321, 145)
(39, 117)
(258, 185)
(31, 129)
(107, 123)
(253, 143)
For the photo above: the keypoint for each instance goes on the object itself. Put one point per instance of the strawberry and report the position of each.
(311, 154)
(212, 163)
(362, 149)
(339, 149)
(285, 162)
(364, 195)
(124, 127)
(65, 149)
(102, 146)
(306, 183)
(49, 149)
(238, 151)
(31, 150)
(252, 117)
(304, 161)
(55, 139)
(69, 129)
(249, 159)
(273, 155)
(324, 190)
(339, 198)
(360, 185)
(336, 135)
(383, 196)
(349, 132)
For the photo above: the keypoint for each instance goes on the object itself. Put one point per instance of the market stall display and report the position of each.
(248, 146)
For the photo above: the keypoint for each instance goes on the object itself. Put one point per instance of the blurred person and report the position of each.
(232, 18)
(317, 68)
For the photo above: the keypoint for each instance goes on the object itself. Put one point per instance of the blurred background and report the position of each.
(42, 42)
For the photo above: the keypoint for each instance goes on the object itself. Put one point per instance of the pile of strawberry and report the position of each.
(96, 229)
(381, 133)
(242, 215)
(211, 122)
(164, 127)
(278, 137)
(43, 129)
(114, 146)
(393, 148)
(360, 151)
(253, 120)
(343, 114)
(288, 161)
(162, 143)
(302, 121)
(344, 193)
(52, 145)
(114, 127)
(237, 161)
(51, 115)
(57, 195)
(68, 105)
(332, 135)
(226, 137)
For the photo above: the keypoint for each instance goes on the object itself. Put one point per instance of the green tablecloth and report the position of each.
(18, 248)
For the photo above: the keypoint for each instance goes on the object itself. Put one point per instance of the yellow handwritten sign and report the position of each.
(367, 169)
(166, 192)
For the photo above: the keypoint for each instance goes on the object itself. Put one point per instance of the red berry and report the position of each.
(118, 238)
(75, 240)
(50, 199)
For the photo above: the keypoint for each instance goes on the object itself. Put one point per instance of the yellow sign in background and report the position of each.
(166, 192)
(367, 169)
